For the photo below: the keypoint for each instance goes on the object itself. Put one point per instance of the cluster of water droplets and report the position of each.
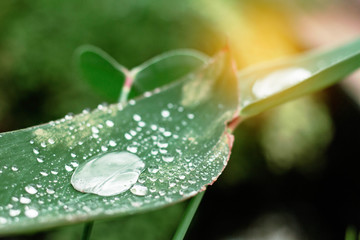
(125, 168)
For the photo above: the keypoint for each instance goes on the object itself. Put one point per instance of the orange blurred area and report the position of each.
(255, 31)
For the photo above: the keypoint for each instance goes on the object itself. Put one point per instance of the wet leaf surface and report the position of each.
(179, 133)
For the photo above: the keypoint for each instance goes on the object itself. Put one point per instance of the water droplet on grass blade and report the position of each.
(279, 80)
(108, 174)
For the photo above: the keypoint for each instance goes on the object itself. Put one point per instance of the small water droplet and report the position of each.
(168, 158)
(104, 148)
(69, 116)
(74, 164)
(112, 143)
(14, 168)
(154, 151)
(36, 151)
(30, 189)
(108, 174)
(136, 117)
(139, 190)
(73, 155)
(165, 113)
(153, 169)
(95, 130)
(31, 213)
(43, 144)
(68, 168)
(163, 151)
(14, 212)
(132, 149)
(127, 136)
(2, 220)
(109, 123)
(167, 134)
(39, 160)
(25, 200)
(50, 191)
(191, 116)
(51, 141)
(141, 124)
(162, 145)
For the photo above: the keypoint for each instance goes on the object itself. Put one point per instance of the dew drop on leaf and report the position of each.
(30, 189)
(168, 158)
(139, 190)
(108, 174)
(132, 149)
(68, 168)
(50, 191)
(278, 81)
(165, 113)
(2, 220)
(14, 212)
(25, 200)
(31, 213)
(109, 123)
(112, 143)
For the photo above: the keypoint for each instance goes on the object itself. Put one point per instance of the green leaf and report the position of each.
(102, 72)
(107, 76)
(179, 133)
(164, 69)
(266, 85)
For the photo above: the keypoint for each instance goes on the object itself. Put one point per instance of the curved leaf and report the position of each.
(179, 133)
(106, 76)
(164, 69)
(266, 85)
(102, 72)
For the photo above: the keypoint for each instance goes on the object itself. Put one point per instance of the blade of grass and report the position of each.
(350, 233)
(87, 230)
(188, 216)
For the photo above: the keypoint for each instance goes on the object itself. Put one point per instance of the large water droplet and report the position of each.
(108, 174)
(279, 80)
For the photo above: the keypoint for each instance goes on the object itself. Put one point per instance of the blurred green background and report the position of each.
(293, 171)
